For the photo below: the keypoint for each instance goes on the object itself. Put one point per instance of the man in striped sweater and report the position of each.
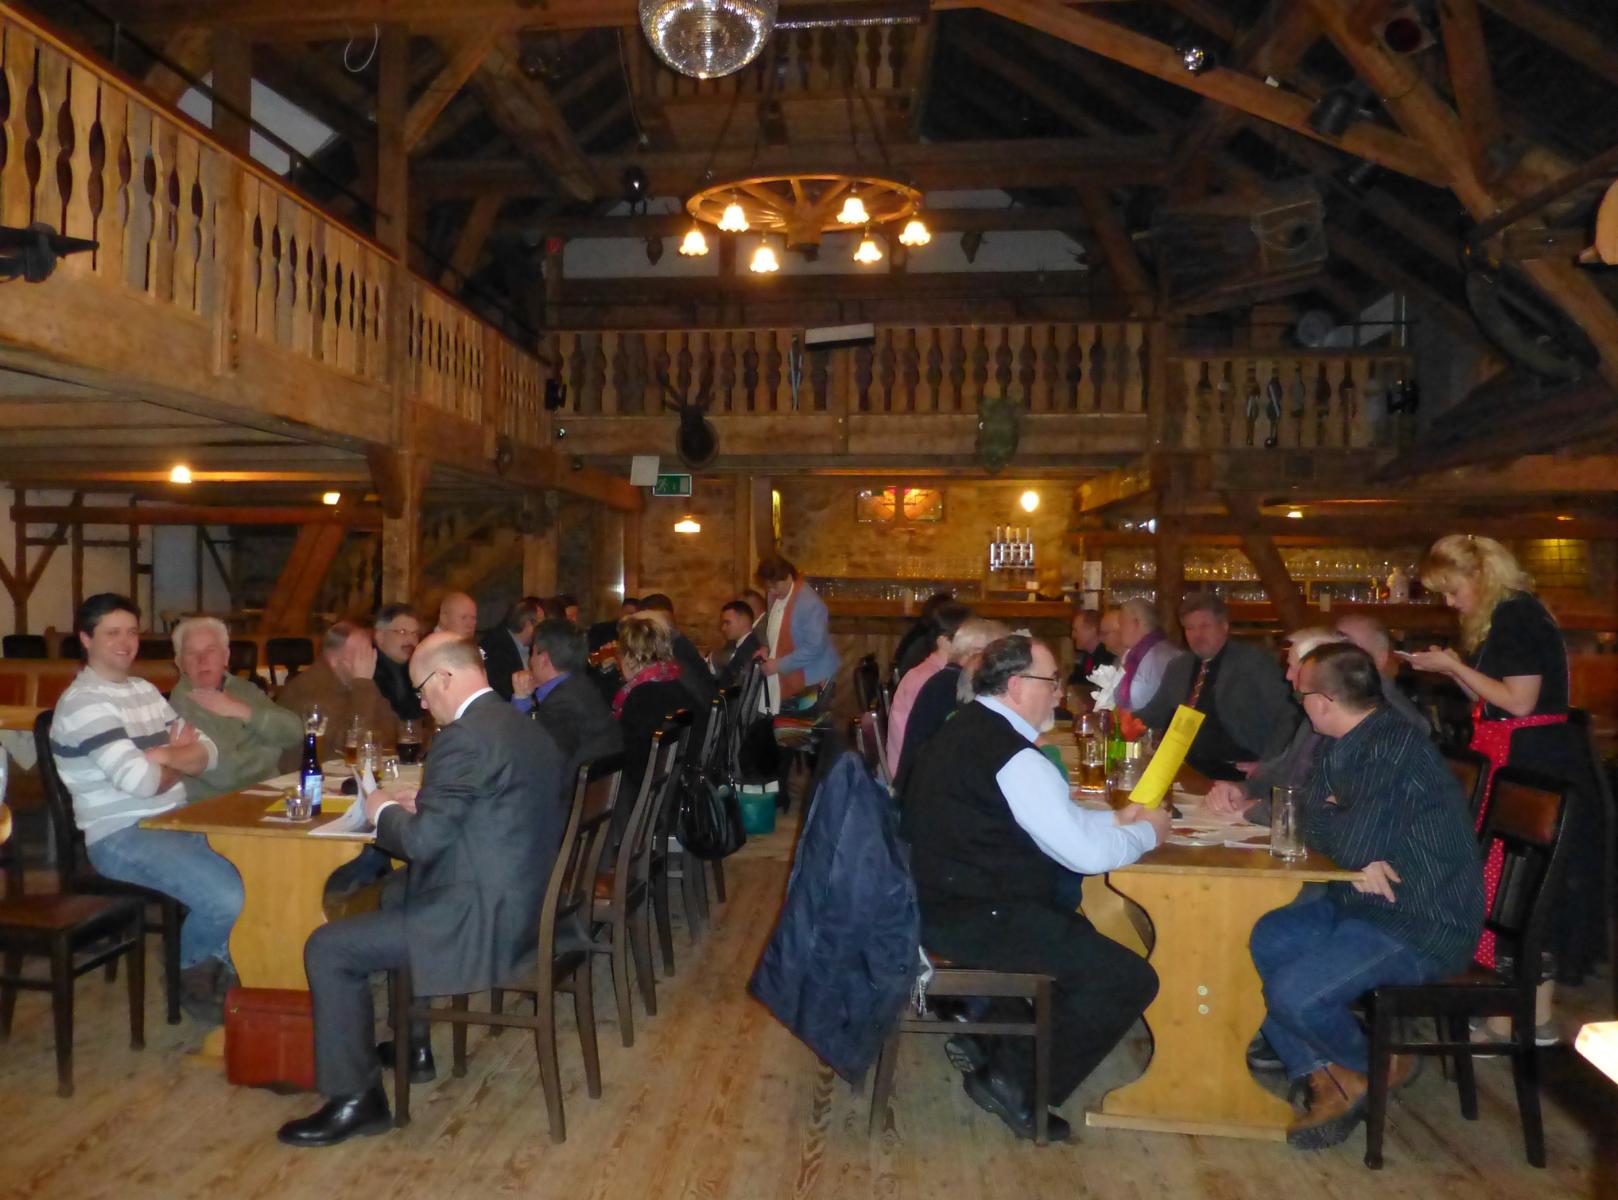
(1380, 801)
(124, 755)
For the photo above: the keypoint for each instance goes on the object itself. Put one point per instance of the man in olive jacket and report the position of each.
(250, 729)
(481, 836)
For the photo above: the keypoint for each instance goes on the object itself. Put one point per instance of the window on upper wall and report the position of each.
(895, 504)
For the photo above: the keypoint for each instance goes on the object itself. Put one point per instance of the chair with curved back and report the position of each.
(70, 647)
(669, 860)
(243, 658)
(24, 645)
(564, 944)
(870, 735)
(75, 874)
(291, 654)
(1525, 816)
(1471, 771)
(696, 771)
(620, 919)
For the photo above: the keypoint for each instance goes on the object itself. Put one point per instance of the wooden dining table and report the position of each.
(284, 869)
(1190, 910)
(19, 716)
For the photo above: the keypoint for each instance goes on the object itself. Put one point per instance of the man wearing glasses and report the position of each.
(397, 634)
(481, 836)
(993, 831)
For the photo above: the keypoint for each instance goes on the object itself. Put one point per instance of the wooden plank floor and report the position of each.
(716, 1100)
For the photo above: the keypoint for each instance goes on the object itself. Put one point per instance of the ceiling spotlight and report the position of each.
(915, 233)
(733, 219)
(1196, 56)
(330, 499)
(764, 260)
(853, 211)
(1029, 501)
(180, 474)
(694, 244)
(687, 524)
(867, 251)
(1336, 111)
(1295, 514)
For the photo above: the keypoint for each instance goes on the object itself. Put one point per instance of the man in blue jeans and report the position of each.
(1381, 801)
(124, 755)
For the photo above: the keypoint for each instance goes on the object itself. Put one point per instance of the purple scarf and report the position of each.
(651, 673)
(1132, 660)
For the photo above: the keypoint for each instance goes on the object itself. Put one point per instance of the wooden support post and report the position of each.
(607, 566)
(1289, 603)
(763, 530)
(744, 541)
(553, 282)
(232, 88)
(1170, 548)
(631, 554)
(287, 610)
(393, 160)
(539, 541)
(400, 479)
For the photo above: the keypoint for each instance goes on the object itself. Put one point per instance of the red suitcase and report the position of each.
(270, 1039)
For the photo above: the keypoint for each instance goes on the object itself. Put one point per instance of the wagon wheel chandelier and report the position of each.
(800, 207)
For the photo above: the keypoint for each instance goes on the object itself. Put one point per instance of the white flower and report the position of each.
(1106, 680)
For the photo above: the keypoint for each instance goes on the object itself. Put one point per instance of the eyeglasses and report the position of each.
(1050, 679)
(422, 686)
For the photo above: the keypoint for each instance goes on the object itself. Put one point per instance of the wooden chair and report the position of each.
(155, 649)
(955, 981)
(692, 872)
(867, 682)
(669, 860)
(1471, 771)
(870, 735)
(74, 873)
(70, 647)
(1526, 817)
(290, 654)
(24, 645)
(620, 917)
(76, 934)
(1599, 774)
(563, 944)
(244, 658)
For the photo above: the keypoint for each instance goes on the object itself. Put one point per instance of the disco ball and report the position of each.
(707, 38)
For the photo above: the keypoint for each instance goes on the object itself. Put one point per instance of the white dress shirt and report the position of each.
(1089, 841)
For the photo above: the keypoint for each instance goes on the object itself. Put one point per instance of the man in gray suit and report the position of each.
(1248, 710)
(481, 836)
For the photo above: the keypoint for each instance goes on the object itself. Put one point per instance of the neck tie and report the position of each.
(1196, 684)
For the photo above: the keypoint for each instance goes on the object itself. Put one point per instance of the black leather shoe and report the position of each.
(1260, 1057)
(994, 1091)
(341, 1118)
(422, 1069)
(966, 1053)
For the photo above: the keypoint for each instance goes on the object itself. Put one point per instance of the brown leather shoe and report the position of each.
(1336, 1104)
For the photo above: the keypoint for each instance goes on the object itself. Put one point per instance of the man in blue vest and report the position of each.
(993, 830)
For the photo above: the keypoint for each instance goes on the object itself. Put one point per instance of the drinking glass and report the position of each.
(351, 741)
(368, 757)
(297, 805)
(409, 742)
(1090, 733)
(1286, 832)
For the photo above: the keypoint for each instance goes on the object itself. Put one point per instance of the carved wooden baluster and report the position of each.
(112, 225)
(16, 70)
(1084, 399)
(1135, 397)
(780, 359)
(38, 150)
(612, 383)
(977, 369)
(885, 399)
(76, 121)
(166, 229)
(818, 369)
(301, 335)
(1125, 357)
(187, 214)
(930, 368)
(1026, 360)
(956, 367)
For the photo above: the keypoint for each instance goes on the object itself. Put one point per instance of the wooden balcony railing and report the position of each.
(867, 58)
(1075, 369)
(223, 247)
(1321, 399)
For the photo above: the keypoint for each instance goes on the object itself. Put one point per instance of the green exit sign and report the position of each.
(672, 485)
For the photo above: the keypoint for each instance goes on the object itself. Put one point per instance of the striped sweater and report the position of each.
(1382, 792)
(99, 736)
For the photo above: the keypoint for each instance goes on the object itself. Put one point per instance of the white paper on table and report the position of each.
(353, 821)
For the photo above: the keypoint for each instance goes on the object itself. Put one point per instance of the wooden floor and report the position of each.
(716, 1100)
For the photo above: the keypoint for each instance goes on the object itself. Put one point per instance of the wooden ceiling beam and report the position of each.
(1272, 48)
(1385, 147)
(189, 49)
(469, 243)
(359, 516)
(1118, 248)
(1054, 99)
(939, 220)
(1400, 525)
(1379, 265)
(1029, 162)
(462, 58)
(527, 114)
(1470, 79)
(1418, 109)
(1585, 46)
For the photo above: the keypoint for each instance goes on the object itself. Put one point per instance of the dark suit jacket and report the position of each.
(1251, 696)
(735, 668)
(481, 846)
(579, 721)
(500, 659)
(392, 679)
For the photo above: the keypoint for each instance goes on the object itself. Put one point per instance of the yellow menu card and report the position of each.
(1168, 758)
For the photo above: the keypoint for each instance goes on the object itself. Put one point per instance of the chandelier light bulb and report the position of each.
(694, 245)
(867, 253)
(180, 474)
(915, 233)
(733, 219)
(764, 260)
(853, 211)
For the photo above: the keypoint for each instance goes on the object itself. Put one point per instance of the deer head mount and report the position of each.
(696, 441)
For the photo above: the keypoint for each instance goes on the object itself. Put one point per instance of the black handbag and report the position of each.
(710, 818)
